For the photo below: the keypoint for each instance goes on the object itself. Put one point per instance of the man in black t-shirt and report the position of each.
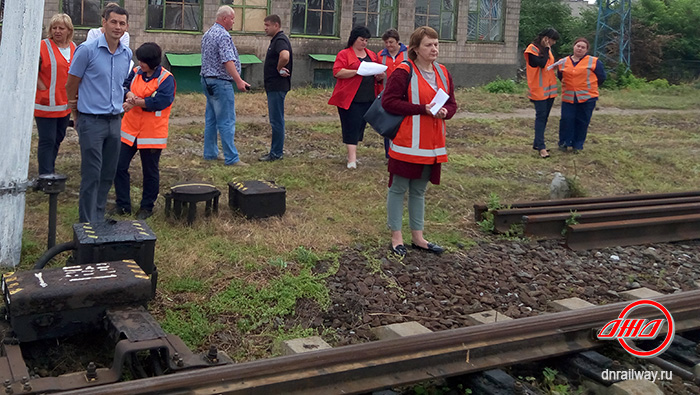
(278, 73)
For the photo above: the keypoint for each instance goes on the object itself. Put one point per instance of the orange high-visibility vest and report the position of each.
(391, 65)
(421, 138)
(541, 83)
(579, 81)
(52, 102)
(149, 127)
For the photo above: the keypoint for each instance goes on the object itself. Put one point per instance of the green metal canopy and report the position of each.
(322, 57)
(195, 59)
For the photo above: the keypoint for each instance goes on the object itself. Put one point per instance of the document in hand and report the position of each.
(438, 101)
(370, 68)
(557, 63)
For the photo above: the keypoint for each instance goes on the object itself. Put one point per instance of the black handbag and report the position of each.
(383, 122)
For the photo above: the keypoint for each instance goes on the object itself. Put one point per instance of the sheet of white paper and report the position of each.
(370, 68)
(438, 101)
(557, 63)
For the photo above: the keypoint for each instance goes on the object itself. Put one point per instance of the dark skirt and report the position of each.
(353, 123)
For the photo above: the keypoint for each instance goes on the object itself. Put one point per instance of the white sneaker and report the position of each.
(352, 165)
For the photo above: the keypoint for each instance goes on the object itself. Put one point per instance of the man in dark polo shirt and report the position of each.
(278, 74)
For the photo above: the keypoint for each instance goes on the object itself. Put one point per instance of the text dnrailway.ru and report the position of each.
(614, 375)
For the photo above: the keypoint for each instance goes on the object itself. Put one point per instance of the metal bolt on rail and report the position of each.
(616, 365)
(213, 354)
(518, 388)
(91, 372)
(8, 387)
(697, 349)
(25, 384)
(178, 360)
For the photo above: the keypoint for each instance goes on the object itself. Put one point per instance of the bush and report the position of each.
(501, 86)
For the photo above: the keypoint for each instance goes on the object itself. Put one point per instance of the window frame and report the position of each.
(79, 26)
(394, 9)
(455, 18)
(170, 30)
(501, 23)
(336, 20)
(243, 8)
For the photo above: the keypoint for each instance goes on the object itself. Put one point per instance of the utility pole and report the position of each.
(613, 32)
(19, 61)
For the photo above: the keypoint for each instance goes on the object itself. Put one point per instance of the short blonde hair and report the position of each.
(64, 19)
(417, 38)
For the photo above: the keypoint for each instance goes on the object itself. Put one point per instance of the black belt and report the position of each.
(107, 117)
(217, 78)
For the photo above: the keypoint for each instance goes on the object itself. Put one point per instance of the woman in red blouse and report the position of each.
(353, 93)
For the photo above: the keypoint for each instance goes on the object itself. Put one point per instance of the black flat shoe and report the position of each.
(399, 250)
(434, 248)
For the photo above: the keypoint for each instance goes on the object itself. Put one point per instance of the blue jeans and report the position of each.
(150, 157)
(542, 109)
(573, 126)
(52, 131)
(275, 109)
(220, 116)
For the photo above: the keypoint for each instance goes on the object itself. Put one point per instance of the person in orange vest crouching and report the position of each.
(581, 75)
(418, 150)
(149, 98)
(51, 110)
(541, 83)
(392, 55)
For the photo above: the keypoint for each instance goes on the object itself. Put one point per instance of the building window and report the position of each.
(485, 20)
(85, 12)
(438, 14)
(314, 17)
(183, 15)
(377, 15)
(250, 14)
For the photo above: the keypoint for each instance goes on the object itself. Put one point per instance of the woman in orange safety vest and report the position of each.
(392, 55)
(418, 150)
(541, 83)
(51, 110)
(151, 91)
(581, 75)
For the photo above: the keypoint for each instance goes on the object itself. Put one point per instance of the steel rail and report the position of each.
(381, 364)
(503, 219)
(479, 209)
(633, 232)
(551, 225)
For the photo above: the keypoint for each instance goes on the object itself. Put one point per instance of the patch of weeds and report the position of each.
(375, 265)
(515, 232)
(555, 385)
(501, 86)
(190, 323)
(278, 263)
(572, 220)
(184, 284)
(487, 224)
(259, 305)
(31, 250)
(305, 257)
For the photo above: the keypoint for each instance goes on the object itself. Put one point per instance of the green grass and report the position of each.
(232, 281)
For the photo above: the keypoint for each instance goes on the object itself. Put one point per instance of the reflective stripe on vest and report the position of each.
(52, 107)
(542, 83)
(129, 137)
(415, 130)
(570, 82)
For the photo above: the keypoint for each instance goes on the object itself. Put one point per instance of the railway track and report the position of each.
(381, 364)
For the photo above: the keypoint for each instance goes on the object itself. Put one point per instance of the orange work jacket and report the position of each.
(149, 127)
(541, 83)
(579, 81)
(53, 72)
(421, 138)
(390, 64)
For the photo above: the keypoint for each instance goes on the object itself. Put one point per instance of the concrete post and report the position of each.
(19, 61)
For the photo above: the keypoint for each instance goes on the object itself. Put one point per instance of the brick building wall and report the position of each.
(470, 63)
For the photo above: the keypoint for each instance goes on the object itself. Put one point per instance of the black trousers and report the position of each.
(150, 159)
(52, 131)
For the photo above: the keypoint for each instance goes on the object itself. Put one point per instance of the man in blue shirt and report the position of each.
(220, 67)
(95, 89)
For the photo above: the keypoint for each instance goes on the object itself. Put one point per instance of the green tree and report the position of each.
(536, 15)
